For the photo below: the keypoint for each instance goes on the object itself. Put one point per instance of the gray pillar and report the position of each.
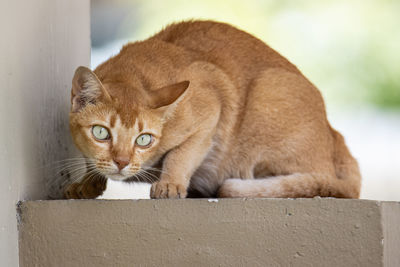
(41, 43)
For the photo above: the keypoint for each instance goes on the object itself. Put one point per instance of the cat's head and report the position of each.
(119, 128)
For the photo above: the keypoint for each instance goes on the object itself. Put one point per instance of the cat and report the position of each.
(203, 109)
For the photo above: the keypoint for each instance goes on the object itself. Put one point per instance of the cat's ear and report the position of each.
(86, 88)
(168, 96)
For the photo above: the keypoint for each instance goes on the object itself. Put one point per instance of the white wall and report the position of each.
(41, 43)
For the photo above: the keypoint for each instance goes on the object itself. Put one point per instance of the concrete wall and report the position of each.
(201, 232)
(41, 43)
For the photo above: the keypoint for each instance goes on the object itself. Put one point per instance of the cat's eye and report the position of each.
(144, 140)
(100, 133)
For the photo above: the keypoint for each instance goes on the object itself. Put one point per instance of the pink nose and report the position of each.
(121, 162)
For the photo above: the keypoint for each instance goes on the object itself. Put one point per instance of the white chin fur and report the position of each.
(116, 177)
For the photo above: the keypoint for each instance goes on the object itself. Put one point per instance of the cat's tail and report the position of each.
(346, 167)
(345, 183)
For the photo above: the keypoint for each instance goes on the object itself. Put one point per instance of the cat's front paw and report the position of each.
(167, 190)
(88, 189)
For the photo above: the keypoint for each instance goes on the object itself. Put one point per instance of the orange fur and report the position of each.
(220, 104)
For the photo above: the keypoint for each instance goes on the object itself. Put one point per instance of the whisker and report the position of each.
(60, 162)
(141, 175)
(155, 169)
(69, 171)
(64, 168)
(151, 175)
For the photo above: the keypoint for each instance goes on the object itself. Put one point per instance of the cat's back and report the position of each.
(237, 52)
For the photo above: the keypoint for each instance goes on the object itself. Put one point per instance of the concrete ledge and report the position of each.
(201, 232)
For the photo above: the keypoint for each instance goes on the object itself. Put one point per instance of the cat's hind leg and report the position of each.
(289, 186)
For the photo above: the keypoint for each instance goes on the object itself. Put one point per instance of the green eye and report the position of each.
(100, 132)
(144, 139)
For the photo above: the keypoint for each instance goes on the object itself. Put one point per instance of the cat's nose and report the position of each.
(121, 162)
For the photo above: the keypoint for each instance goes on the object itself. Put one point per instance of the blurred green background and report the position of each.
(349, 49)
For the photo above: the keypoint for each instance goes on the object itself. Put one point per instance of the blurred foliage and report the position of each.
(349, 49)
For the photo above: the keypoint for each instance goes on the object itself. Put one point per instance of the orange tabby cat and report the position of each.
(217, 111)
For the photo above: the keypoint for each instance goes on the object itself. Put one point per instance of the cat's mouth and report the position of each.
(148, 172)
(116, 174)
(142, 175)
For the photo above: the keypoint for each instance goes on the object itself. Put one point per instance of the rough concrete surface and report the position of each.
(202, 232)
